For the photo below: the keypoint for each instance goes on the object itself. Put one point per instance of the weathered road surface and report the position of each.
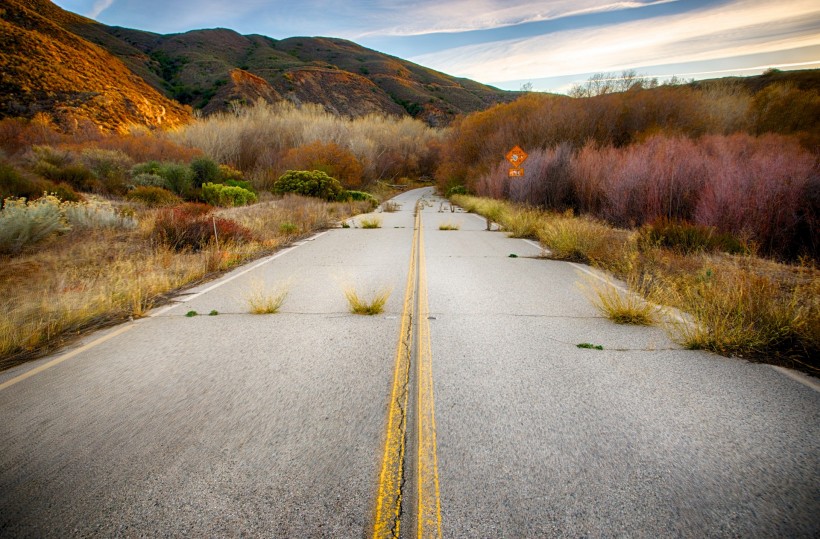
(464, 410)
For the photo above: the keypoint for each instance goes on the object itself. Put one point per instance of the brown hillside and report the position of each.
(345, 77)
(48, 69)
(243, 88)
(341, 92)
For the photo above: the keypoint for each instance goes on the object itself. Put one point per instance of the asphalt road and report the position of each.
(465, 409)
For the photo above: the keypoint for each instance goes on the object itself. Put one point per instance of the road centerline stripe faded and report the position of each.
(429, 505)
(388, 502)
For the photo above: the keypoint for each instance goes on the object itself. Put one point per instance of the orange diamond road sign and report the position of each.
(516, 157)
(516, 172)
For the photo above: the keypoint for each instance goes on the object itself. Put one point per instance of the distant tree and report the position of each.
(526, 87)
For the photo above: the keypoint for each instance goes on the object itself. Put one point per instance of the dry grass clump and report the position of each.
(370, 222)
(622, 307)
(361, 305)
(523, 222)
(449, 225)
(262, 300)
(391, 206)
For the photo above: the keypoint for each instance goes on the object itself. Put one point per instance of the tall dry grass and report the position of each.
(262, 140)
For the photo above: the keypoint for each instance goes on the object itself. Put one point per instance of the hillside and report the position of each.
(72, 67)
(344, 77)
(46, 68)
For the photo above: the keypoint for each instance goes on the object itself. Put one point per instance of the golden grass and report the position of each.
(361, 305)
(83, 281)
(370, 222)
(262, 300)
(391, 206)
(622, 307)
(449, 225)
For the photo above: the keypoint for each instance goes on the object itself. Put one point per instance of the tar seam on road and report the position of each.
(429, 506)
(388, 501)
(392, 480)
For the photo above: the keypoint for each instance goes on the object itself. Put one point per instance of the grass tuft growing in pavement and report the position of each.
(449, 225)
(262, 300)
(371, 222)
(361, 305)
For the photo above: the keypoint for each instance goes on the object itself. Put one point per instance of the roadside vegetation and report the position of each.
(96, 228)
(740, 304)
(702, 196)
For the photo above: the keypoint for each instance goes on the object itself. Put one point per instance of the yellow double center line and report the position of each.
(392, 478)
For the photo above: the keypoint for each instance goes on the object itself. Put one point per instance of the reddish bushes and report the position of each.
(191, 226)
(761, 189)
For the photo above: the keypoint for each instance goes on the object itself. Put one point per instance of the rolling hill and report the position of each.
(71, 67)
(47, 69)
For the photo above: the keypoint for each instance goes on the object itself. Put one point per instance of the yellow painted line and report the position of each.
(429, 505)
(388, 503)
(65, 357)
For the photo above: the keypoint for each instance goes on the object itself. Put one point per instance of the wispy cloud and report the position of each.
(429, 17)
(741, 27)
(98, 7)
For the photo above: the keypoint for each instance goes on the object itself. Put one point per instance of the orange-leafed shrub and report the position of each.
(330, 158)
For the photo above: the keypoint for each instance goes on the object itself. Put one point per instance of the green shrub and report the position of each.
(148, 167)
(359, 196)
(75, 175)
(50, 156)
(204, 170)
(146, 179)
(180, 178)
(456, 190)
(110, 167)
(241, 183)
(63, 191)
(312, 183)
(218, 194)
(14, 184)
(153, 196)
(176, 177)
(23, 223)
(288, 228)
(227, 173)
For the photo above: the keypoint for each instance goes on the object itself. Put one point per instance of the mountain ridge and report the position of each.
(207, 69)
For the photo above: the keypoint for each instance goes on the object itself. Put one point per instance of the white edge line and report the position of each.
(536, 245)
(217, 284)
(797, 377)
(64, 357)
(593, 274)
(123, 329)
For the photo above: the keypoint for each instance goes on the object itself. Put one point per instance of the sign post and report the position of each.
(516, 157)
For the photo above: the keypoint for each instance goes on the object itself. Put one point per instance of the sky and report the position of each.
(549, 44)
